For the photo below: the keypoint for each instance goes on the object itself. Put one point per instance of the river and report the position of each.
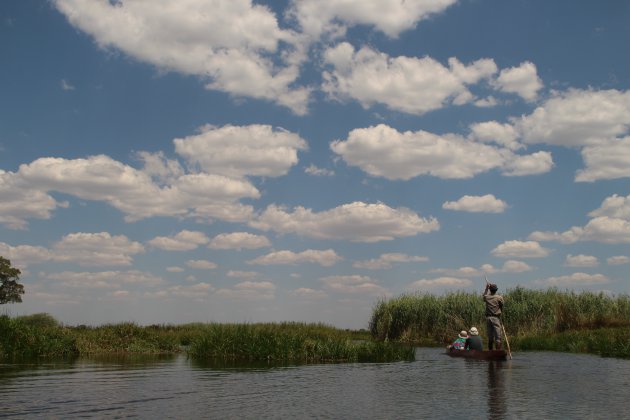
(533, 385)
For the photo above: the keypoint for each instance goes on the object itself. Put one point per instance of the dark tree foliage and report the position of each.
(10, 289)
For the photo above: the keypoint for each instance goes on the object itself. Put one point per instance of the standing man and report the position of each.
(494, 307)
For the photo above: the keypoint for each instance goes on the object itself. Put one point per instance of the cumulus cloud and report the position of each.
(385, 152)
(509, 266)
(307, 293)
(22, 256)
(575, 279)
(477, 204)
(494, 132)
(132, 191)
(357, 222)
(96, 249)
(407, 84)
(324, 258)
(104, 279)
(315, 171)
(317, 18)
(242, 274)
(354, 284)
(249, 291)
(581, 261)
(235, 151)
(387, 261)
(522, 80)
(20, 202)
(201, 264)
(440, 283)
(609, 160)
(199, 291)
(185, 240)
(520, 249)
(577, 118)
(618, 260)
(610, 223)
(226, 44)
(239, 240)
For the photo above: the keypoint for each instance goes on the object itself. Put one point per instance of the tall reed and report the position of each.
(425, 317)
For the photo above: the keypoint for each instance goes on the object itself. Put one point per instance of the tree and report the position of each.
(10, 289)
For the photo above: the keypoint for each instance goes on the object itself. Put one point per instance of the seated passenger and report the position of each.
(460, 341)
(473, 342)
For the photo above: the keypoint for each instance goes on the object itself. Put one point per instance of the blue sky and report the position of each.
(239, 161)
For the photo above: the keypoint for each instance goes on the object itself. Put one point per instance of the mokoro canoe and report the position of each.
(475, 354)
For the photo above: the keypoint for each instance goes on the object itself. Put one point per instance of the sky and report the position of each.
(301, 160)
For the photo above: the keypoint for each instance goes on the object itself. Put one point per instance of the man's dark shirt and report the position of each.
(474, 343)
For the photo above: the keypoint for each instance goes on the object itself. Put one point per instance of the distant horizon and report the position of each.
(296, 161)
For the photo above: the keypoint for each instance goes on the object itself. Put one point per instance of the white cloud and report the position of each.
(610, 224)
(618, 260)
(23, 255)
(96, 249)
(65, 85)
(477, 204)
(494, 132)
(21, 202)
(385, 152)
(575, 279)
(321, 17)
(533, 164)
(520, 249)
(577, 118)
(609, 160)
(104, 279)
(509, 266)
(235, 151)
(357, 222)
(315, 171)
(185, 240)
(175, 269)
(387, 261)
(324, 258)
(581, 261)
(522, 80)
(201, 264)
(227, 44)
(199, 291)
(407, 84)
(239, 240)
(242, 274)
(354, 284)
(132, 191)
(440, 283)
(307, 293)
(249, 291)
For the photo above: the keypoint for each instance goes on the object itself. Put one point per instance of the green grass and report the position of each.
(296, 342)
(427, 318)
(40, 335)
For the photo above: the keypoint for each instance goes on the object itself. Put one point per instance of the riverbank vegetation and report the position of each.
(533, 319)
(40, 335)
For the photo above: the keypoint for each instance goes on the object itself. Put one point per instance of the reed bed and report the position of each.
(291, 342)
(427, 318)
(40, 335)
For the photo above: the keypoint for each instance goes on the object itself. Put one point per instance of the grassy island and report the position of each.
(534, 320)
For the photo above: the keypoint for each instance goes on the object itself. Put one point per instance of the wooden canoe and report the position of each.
(481, 355)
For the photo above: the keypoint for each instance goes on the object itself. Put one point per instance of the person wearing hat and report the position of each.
(460, 341)
(473, 342)
(494, 308)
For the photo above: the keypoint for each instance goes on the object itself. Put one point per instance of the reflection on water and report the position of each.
(496, 398)
(532, 385)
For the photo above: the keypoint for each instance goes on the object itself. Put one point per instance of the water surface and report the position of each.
(533, 385)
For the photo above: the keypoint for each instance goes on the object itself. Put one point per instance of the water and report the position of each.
(534, 385)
